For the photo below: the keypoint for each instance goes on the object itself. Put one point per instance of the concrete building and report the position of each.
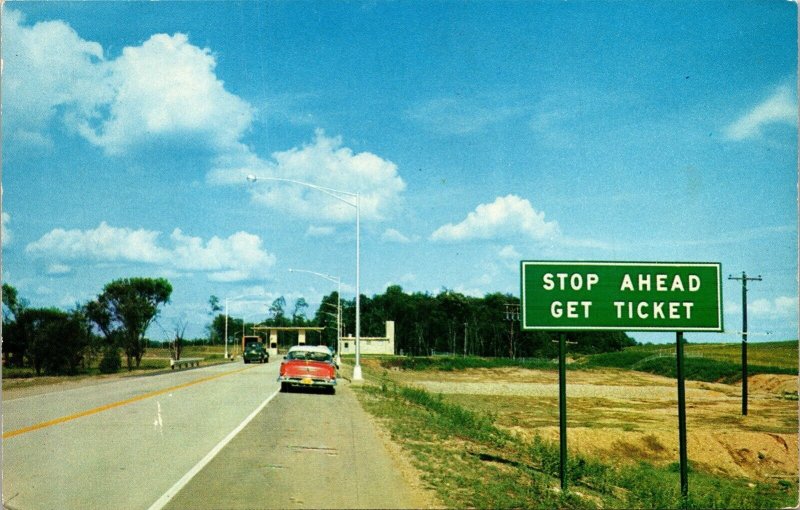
(370, 345)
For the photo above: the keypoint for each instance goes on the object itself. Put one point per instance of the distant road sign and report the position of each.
(627, 296)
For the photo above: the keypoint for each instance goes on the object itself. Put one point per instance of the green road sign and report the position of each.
(628, 296)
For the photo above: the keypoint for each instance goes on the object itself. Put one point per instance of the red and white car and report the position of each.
(308, 366)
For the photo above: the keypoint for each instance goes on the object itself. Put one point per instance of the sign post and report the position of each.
(622, 296)
(684, 461)
(562, 409)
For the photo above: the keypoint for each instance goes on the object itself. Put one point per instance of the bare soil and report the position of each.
(626, 417)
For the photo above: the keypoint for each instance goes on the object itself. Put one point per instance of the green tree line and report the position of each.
(52, 341)
(448, 322)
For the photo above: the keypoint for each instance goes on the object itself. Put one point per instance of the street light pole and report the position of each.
(339, 195)
(357, 368)
(226, 329)
(226, 319)
(338, 281)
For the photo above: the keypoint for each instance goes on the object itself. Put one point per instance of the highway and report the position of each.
(215, 437)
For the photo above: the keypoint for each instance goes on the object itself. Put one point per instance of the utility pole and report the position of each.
(744, 279)
(512, 315)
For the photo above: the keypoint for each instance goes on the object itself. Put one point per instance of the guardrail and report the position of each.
(185, 362)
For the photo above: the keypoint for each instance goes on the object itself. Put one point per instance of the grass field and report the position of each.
(471, 462)
(484, 432)
(154, 359)
(703, 362)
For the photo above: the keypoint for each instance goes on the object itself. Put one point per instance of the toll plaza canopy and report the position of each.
(273, 333)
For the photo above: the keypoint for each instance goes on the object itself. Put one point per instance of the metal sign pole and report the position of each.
(682, 421)
(562, 409)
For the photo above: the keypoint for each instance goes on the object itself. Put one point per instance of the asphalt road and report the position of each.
(215, 437)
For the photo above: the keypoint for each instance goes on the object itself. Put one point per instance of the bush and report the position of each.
(111, 362)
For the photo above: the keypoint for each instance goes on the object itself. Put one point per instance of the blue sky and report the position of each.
(477, 134)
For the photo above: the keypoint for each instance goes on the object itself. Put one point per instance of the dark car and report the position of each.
(255, 351)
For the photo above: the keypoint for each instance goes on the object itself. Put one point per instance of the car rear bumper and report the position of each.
(306, 381)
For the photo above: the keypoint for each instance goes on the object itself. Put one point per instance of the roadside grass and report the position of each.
(703, 362)
(453, 363)
(472, 463)
(155, 359)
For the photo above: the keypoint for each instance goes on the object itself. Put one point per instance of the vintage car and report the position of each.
(254, 351)
(308, 366)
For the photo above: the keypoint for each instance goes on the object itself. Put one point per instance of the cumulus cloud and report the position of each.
(780, 307)
(235, 258)
(47, 66)
(324, 163)
(779, 108)
(165, 88)
(505, 217)
(165, 91)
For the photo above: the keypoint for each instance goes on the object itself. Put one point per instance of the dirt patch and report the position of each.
(755, 455)
(773, 383)
(625, 417)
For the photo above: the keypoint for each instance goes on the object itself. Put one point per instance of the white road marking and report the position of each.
(180, 484)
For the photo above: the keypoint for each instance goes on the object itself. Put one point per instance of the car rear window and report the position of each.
(309, 356)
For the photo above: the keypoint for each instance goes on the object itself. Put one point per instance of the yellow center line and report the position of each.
(113, 405)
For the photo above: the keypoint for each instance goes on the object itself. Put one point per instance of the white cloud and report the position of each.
(45, 67)
(323, 163)
(168, 87)
(395, 236)
(5, 232)
(238, 257)
(506, 216)
(780, 108)
(164, 89)
(314, 231)
(105, 243)
(780, 307)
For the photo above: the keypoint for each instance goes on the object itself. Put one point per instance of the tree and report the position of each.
(177, 345)
(12, 303)
(54, 340)
(126, 308)
(214, 308)
(13, 341)
(299, 313)
(277, 310)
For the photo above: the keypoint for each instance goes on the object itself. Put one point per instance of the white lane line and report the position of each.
(180, 484)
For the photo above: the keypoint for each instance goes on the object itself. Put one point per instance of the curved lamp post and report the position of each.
(226, 318)
(338, 282)
(353, 200)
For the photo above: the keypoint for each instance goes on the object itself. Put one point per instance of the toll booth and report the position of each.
(272, 348)
(272, 334)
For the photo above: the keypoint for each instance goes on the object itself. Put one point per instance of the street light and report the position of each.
(338, 281)
(345, 197)
(226, 318)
